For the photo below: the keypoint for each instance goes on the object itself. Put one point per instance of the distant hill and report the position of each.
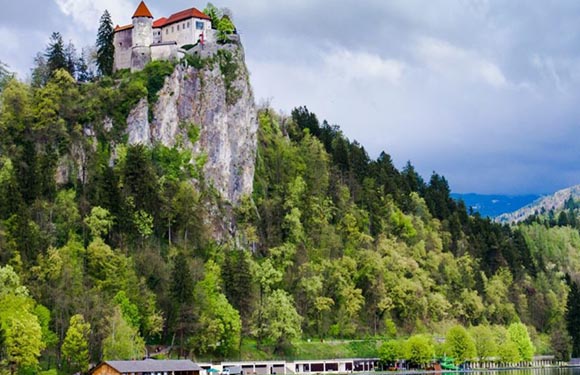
(542, 205)
(494, 205)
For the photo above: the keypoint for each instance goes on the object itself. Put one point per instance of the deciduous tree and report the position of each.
(518, 333)
(75, 345)
(419, 349)
(485, 346)
(459, 344)
(123, 341)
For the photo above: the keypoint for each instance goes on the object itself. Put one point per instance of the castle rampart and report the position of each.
(145, 40)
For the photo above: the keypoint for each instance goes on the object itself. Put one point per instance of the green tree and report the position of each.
(573, 316)
(213, 13)
(419, 349)
(123, 341)
(99, 221)
(43, 314)
(485, 345)
(280, 323)
(508, 352)
(75, 345)
(40, 72)
(518, 333)
(219, 325)
(23, 342)
(129, 310)
(561, 344)
(105, 46)
(238, 282)
(5, 75)
(55, 53)
(22, 333)
(225, 28)
(390, 351)
(181, 293)
(459, 344)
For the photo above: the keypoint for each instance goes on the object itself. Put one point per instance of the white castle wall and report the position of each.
(164, 51)
(142, 32)
(123, 42)
(185, 32)
(136, 46)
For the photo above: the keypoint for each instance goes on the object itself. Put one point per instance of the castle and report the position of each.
(145, 40)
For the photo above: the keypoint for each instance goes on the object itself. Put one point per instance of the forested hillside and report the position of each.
(332, 244)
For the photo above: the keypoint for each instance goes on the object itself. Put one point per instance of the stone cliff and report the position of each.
(215, 100)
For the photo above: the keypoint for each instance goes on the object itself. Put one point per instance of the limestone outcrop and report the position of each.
(215, 101)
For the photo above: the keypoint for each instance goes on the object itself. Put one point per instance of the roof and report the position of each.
(184, 15)
(153, 365)
(160, 22)
(121, 28)
(142, 11)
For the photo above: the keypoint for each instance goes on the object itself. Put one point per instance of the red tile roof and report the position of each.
(160, 22)
(121, 28)
(185, 14)
(142, 11)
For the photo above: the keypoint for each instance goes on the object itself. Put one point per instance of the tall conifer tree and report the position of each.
(55, 53)
(573, 316)
(105, 47)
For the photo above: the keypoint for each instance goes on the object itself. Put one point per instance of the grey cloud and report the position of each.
(492, 105)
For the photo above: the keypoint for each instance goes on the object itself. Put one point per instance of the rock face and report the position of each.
(221, 106)
(138, 124)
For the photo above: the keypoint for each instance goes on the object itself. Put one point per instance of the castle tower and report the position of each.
(142, 37)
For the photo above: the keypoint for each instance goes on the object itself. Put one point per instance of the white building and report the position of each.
(145, 40)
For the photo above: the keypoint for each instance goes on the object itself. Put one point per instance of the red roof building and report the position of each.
(160, 22)
(142, 11)
(147, 39)
(185, 14)
(121, 28)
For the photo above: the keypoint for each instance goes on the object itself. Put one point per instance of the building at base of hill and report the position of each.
(147, 367)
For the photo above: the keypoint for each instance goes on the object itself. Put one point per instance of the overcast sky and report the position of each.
(485, 92)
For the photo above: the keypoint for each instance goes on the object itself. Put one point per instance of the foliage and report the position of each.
(459, 344)
(123, 341)
(75, 345)
(99, 221)
(518, 334)
(225, 27)
(5, 75)
(419, 349)
(508, 352)
(213, 13)
(105, 46)
(21, 330)
(219, 323)
(390, 351)
(485, 345)
(229, 69)
(332, 244)
(277, 320)
(55, 53)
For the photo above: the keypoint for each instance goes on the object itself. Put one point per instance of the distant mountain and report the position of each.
(494, 205)
(543, 205)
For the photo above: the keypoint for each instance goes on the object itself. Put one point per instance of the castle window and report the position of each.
(177, 27)
(166, 31)
(172, 29)
(199, 25)
(188, 24)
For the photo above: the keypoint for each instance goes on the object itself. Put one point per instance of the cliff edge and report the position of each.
(211, 97)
